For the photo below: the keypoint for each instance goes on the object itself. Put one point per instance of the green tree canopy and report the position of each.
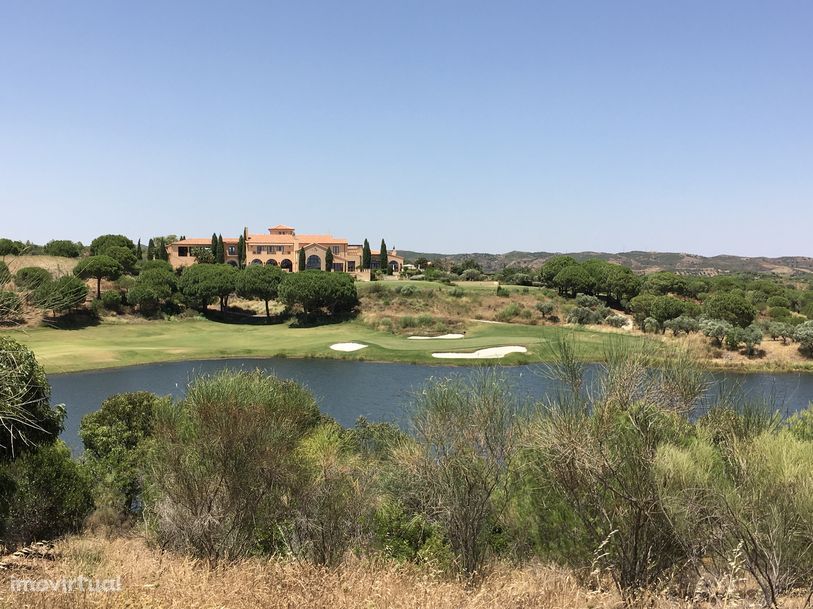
(729, 307)
(573, 279)
(314, 292)
(124, 256)
(31, 277)
(62, 247)
(383, 259)
(100, 244)
(98, 268)
(60, 295)
(7, 246)
(201, 284)
(260, 282)
(329, 260)
(553, 266)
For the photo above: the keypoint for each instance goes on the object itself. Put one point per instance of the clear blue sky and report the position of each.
(440, 125)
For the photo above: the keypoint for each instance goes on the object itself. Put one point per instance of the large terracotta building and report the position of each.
(280, 247)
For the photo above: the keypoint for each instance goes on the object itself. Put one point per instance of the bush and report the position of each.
(223, 465)
(729, 307)
(682, 325)
(545, 308)
(750, 337)
(67, 249)
(803, 334)
(27, 417)
(456, 292)
(651, 325)
(51, 495)
(115, 438)
(583, 315)
(616, 321)
(509, 312)
(60, 295)
(9, 247)
(11, 307)
(585, 300)
(111, 300)
(471, 275)
(31, 277)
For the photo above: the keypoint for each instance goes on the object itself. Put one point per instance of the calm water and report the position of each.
(348, 390)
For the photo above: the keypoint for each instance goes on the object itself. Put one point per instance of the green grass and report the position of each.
(113, 344)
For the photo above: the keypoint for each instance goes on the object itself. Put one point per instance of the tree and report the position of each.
(553, 266)
(461, 461)
(622, 283)
(124, 256)
(100, 244)
(98, 268)
(214, 246)
(151, 250)
(153, 286)
(314, 292)
(573, 279)
(804, 336)
(114, 438)
(241, 252)
(302, 265)
(261, 282)
(665, 308)
(162, 253)
(715, 329)
(664, 283)
(383, 260)
(366, 255)
(220, 255)
(201, 284)
(730, 307)
(11, 307)
(27, 419)
(203, 255)
(329, 260)
(9, 247)
(139, 251)
(67, 249)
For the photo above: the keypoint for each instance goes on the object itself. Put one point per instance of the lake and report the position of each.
(347, 390)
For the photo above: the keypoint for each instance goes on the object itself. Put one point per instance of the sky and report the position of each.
(442, 126)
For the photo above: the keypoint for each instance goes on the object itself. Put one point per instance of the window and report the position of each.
(336, 249)
(351, 266)
(183, 250)
(338, 266)
(232, 250)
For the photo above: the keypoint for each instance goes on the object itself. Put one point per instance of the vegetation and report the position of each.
(316, 293)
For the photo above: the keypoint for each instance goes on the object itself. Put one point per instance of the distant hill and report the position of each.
(643, 262)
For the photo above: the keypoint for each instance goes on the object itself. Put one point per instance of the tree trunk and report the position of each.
(267, 312)
(98, 287)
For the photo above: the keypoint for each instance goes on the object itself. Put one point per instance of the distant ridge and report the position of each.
(688, 264)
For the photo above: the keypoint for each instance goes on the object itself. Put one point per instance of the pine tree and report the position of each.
(220, 256)
(366, 256)
(382, 257)
(301, 258)
(151, 250)
(329, 260)
(139, 251)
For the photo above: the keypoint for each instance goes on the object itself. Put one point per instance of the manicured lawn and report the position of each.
(113, 344)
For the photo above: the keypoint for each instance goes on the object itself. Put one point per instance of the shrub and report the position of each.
(60, 295)
(456, 292)
(27, 417)
(31, 277)
(682, 325)
(11, 308)
(616, 321)
(406, 290)
(730, 307)
(114, 438)
(583, 315)
(651, 325)
(471, 275)
(509, 312)
(585, 300)
(50, 497)
(716, 329)
(111, 300)
(223, 464)
(60, 247)
(750, 337)
(803, 334)
(545, 308)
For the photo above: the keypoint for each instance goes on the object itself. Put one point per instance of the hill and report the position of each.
(643, 262)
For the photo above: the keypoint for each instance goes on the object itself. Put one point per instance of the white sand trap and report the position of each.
(347, 346)
(443, 336)
(490, 353)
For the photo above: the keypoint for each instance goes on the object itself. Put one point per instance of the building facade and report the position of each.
(280, 247)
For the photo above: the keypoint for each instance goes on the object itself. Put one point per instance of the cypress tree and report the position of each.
(214, 246)
(366, 256)
(139, 251)
(301, 258)
(382, 257)
(240, 257)
(220, 257)
(329, 260)
(162, 250)
(151, 250)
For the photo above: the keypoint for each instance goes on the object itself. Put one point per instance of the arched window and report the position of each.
(286, 265)
(313, 262)
(256, 261)
(271, 262)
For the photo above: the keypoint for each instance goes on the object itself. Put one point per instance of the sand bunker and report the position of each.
(489, 353)
(444, 336)
(347, 346)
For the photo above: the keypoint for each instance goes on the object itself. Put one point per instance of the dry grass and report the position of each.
(56, 265)
(152, 579)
